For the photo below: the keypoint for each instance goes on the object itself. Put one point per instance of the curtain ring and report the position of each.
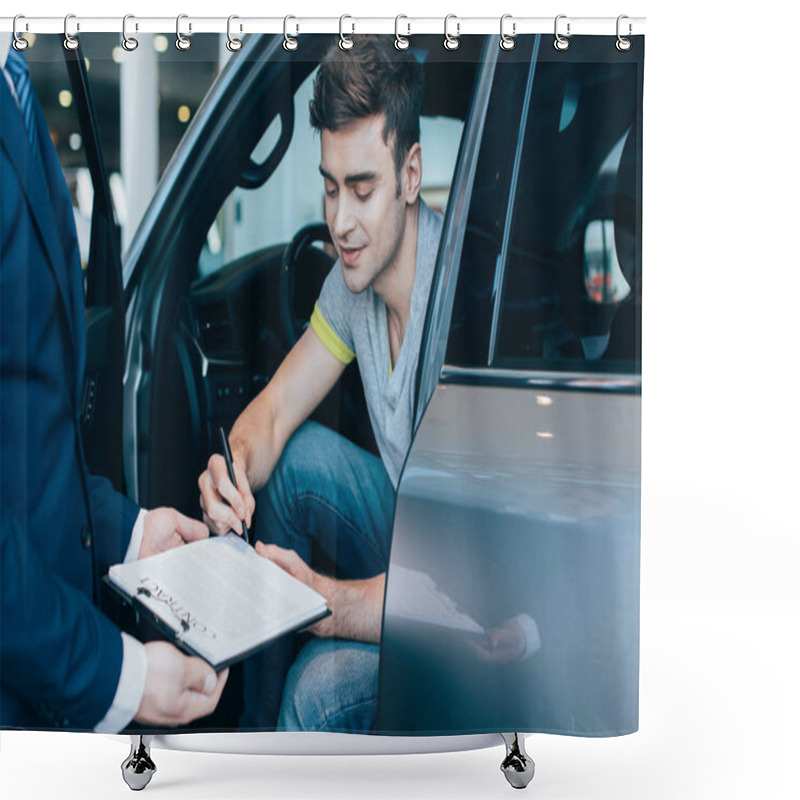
(345, 42)
(181, 42)
(401, 42)
(623, 44)
(19, 43)
(128, 42)
(507, 42)
(451, 42)
(233, 44)
(289, 43)
(70, 42)
(561, 43)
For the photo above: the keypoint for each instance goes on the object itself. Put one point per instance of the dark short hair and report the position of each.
(373, 77)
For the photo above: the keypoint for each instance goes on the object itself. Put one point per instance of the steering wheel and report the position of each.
(292, 326)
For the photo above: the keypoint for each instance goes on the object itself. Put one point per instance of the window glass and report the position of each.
(571, 285)
(550, 270)
(52, 86)
(176, 96)
(468, 338)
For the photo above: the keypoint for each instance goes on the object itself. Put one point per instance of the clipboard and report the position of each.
(211, 614)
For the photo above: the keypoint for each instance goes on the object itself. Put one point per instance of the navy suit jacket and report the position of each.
(60, 657)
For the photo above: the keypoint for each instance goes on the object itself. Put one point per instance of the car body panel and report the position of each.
(518, 501)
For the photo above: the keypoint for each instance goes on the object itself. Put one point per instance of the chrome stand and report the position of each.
(138, 768)
(517, 766)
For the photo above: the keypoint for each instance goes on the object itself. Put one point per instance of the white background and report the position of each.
(720, 600)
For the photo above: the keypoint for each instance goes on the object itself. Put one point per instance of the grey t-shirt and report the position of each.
(354, 326)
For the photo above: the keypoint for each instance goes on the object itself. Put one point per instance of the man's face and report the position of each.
(364, 212)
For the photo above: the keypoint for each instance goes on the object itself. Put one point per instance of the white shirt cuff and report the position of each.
(532, 639)
(135, 544)
(130, 688)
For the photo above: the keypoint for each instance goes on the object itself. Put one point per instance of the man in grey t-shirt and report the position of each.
(356, 326)
(323, 502)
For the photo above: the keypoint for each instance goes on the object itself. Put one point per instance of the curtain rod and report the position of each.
(405, 25)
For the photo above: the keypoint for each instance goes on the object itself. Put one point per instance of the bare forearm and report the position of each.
(356, 608)
(265, 426)
(254, 442)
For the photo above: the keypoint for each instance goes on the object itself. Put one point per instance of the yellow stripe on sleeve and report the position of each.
(329, 338)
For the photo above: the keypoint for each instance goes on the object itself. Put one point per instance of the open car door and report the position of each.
(101, 404)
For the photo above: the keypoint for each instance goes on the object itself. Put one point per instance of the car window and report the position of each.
(52, 86)
(569, 284)
(292, 197)
(251, 219)
(550, 273)
(177, 100)
(470, 326)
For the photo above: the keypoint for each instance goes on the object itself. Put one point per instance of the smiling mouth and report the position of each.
(350, 255)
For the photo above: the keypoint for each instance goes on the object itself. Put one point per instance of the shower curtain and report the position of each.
(402, 282)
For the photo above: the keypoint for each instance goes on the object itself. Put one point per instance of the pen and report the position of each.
(226, 451)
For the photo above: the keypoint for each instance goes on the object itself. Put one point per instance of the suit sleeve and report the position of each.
(113, 518)
(60, 657)
(58, 652)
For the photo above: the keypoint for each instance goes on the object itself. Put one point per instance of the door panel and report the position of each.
(516, 504)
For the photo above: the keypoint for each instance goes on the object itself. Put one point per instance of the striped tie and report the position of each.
(17, 68)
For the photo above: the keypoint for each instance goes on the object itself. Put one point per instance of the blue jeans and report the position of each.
(332, 686)
(332, 503)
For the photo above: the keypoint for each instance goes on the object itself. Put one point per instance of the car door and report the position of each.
(512, 591)
(101, 404)
(168, 418)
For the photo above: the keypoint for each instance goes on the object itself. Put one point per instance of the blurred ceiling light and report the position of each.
(184, 113)
(65, 98)
(160, 43)
(116, 55)
(75, 141)
(543, 400)
(544, 434)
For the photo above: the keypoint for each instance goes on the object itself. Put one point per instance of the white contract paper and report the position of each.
(219, 597)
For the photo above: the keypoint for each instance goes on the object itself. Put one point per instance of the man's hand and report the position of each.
(178, 688)
(290, 562)
(223, 506)
(165, 528)
(501, 645)
(262, 430)
(356, 606)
